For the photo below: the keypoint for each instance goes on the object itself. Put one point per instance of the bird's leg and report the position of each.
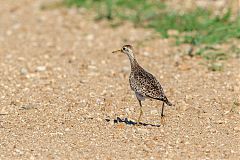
(141, 112)
(162, 115)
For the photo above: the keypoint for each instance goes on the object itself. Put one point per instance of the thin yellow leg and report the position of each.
(162, 115)
(141, 113)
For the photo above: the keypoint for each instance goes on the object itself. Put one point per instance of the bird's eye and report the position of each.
(124, 48)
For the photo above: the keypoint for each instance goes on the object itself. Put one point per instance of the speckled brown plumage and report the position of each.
(143, 83)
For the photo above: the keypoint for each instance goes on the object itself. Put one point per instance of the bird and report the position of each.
(143, 83)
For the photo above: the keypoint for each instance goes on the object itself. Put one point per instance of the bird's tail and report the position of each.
(167, 101)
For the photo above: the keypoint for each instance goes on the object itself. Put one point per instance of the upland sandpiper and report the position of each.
(143, 83)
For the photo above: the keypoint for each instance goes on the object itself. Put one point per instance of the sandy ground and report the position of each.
(63, 95)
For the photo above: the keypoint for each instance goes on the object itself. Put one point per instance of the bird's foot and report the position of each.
(138, 123)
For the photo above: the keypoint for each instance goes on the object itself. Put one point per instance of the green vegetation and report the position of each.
(198, 27)
(201, 26)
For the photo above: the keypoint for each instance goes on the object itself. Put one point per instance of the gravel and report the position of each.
(65, 96)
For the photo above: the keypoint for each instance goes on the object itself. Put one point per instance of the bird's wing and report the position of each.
(147, 85)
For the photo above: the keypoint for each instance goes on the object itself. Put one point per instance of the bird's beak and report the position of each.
(117, 51)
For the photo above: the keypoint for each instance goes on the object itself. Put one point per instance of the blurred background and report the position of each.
(201, 23)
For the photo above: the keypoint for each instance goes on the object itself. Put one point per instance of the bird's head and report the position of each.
(126, 49)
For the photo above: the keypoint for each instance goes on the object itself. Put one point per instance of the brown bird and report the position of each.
(143, 83)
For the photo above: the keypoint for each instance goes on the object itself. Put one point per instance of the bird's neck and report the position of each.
(133, 61)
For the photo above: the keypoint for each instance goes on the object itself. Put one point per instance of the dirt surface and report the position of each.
(63, 95)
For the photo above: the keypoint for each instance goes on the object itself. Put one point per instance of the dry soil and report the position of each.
(63, 95)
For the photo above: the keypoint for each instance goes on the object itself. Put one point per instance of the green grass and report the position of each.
(198, 27)
(202, 26)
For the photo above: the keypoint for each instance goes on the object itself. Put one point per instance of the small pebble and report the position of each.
(67, 129)
(90, 37)
(23, 71)
(237, 129)
(146, 54)
(3, 111)
(128, 111)
(142, 130)
(41, 68)
(154, 112)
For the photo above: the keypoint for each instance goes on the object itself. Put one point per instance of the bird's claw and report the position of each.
(138, 123)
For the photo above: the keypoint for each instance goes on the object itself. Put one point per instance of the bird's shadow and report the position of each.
(130, 122)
